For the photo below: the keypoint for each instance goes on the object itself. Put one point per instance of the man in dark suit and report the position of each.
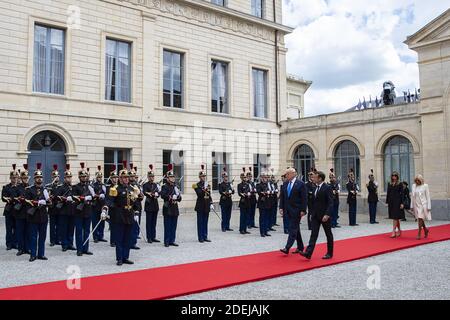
(293, 203)
(321, 215)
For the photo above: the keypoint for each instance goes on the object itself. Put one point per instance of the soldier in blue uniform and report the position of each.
(336, 189)
(171, 196)
(20, 211)
(36, 198)
(83, 194)
(52, 210)
(66, 214)
(113, 181)
(264, 204)
(245, 193)
(152, 192)
(137, 206)
(226, 192)
(122, 198)
(98, 203)
(202, 205)
(352, 190)
(10, 194)
(252, 212)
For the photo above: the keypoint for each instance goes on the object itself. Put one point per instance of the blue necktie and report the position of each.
(289, 189)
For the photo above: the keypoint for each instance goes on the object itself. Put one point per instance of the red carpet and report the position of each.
(178, 280)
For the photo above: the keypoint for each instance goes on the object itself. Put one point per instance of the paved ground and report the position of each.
(418, 273)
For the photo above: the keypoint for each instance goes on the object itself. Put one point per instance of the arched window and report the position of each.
(346, 157)
(303, 160)
(398, 156)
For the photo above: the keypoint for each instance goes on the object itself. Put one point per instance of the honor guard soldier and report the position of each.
(152, 192)
(245, 192)
(171, 196)
(372, 198)
(98, 203)
(36, 198)
(52, 210)
(22, 228)
(226, 192)
(336, 189)
(273, 184)
(352, 190)
(10, 194)
(137, 206)
(113, 182)
(251, 217)
(122, 198)
(65, 207)
(202, 205)
(310, 188)
(83, 194)
(264, 204)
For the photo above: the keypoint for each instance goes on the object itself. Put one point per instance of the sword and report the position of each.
(140, 230)
(92, 232)
(214, 210)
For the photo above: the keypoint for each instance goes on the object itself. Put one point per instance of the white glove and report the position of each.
(42, 202)
(101, 196)
(211, 207)
(156, 194)
(104, 215)
(249, 194)
(88, 198)
(230, 191)
(174, 197)
(136, 218)
(69, 199)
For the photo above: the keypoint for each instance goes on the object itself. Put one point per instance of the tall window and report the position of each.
(219, 2)
(259, 93)
(118, 71)
(398, 156)
(176, 159)
(219, 161)
(346, 157)
(173, 79)
(219, 87)
(260, 164)
(303, 161)
(257, 8)
(48, 66)
(114, 157)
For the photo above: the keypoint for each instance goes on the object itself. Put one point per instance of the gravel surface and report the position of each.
(351, 277)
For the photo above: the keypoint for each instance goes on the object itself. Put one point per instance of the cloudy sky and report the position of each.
(348, 48)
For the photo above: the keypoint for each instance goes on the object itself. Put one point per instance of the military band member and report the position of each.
(226, 192)
(10, 193)
(245, 193)
(265, 204)
(372, 198)
(113, 181)
(252, 212)
(122, 198)
(152, 192)
(22, 228)
(336, 189)
(52, 210)
(273, 184)
(202, 205)
(98, 203)
(171, 196)
(66, 214)
(36, 198)
(352, 190)
(83, 194)
(310, 188)
(137, 206)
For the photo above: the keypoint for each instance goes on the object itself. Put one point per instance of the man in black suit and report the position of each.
(293, 203)
(321, 215)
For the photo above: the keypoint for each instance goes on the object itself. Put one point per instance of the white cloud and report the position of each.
(348, 48)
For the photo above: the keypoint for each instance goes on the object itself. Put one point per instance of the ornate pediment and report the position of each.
(435, 31)
(214, 17)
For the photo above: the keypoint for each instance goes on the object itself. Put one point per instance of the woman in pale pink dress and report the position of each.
(421, 204)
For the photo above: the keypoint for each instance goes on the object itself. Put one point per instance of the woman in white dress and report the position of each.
(421, 204)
